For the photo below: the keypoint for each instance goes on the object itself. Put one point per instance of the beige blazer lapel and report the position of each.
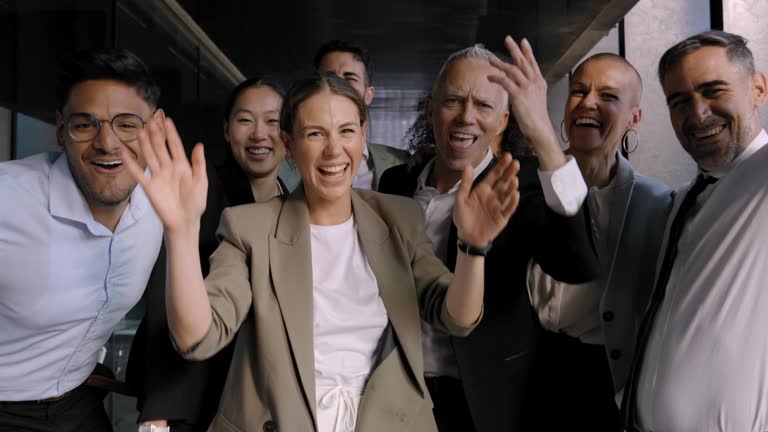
(387, 260)
(290, 265)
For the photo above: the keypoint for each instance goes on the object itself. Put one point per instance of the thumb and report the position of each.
(466, 184)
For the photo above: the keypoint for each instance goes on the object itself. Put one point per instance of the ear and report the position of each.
(759, 86)
(159, 117)
(503, 123)
(428, 108)
(368, 95)
(637, 116)
(364, 128)
(288, 145)
(60, 132)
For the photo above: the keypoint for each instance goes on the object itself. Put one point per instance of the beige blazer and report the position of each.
(261, 283)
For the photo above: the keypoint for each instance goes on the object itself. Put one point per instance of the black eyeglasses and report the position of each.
(85, 127)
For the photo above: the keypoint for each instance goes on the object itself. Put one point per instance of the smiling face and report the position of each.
(97, 165)
(349, 68)
(327, 145)
(253, 131)
(713, 105)
(467, 112)
(602, 105)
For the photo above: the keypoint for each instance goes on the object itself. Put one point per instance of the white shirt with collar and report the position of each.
(364, 176)
(65, 279)
(564, 191)
(706, 363)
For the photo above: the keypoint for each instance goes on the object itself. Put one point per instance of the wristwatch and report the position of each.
(472, 250)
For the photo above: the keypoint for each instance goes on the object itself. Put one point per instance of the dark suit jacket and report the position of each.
(496, 360)
(168, 386)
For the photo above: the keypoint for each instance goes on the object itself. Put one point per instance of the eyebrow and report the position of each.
(702, 86)
(609, 87)
(246, 110)
(323, 128)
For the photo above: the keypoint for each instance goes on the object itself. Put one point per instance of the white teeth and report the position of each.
(708, 132)
(462, 136)
(333, 169)
(259, 151)
(111, 163)
(587, 121)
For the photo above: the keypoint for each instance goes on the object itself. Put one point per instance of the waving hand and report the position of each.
(482, 211)
(176, 189)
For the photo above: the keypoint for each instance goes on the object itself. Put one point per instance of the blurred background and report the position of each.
(199, 50)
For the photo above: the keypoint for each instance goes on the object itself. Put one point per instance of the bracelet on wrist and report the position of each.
(473, 250)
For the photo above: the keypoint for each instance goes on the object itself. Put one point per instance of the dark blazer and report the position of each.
(496, 360)
(168, 386)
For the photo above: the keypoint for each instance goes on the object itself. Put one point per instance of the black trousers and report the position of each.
(80, 411)
(450, 405)
(575, 387)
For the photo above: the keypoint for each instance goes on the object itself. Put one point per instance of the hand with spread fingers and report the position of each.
(527, 91)
(481, 212)
(176, 189)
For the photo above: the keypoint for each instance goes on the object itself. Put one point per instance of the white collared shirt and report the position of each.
(364, 176)
(65, 279)
(706, 362)
(564, 191)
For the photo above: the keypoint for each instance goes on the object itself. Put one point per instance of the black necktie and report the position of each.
(628, 405)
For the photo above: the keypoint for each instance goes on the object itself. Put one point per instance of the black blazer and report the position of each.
(496, 360)
(167, 386)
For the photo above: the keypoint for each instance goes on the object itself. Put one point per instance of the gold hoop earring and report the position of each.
(626, 145)
(562, 135)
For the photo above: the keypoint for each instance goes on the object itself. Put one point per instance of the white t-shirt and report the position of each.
(349, 318)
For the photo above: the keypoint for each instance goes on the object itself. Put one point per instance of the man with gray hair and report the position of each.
(701, 362)
(482, 383)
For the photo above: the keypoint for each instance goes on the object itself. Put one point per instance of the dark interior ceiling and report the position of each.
(408, 39)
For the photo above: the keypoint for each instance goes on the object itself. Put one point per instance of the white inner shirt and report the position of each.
(349, 318)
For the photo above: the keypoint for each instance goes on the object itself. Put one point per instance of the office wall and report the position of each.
(651, 27)
(747, 18)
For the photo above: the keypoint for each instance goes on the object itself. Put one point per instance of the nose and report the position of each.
(106, 141)
(700, 108)
(259, 131)
(333, 146)
(467, 114)
(589, 100)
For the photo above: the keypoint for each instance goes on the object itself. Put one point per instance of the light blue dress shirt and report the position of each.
(65, 279)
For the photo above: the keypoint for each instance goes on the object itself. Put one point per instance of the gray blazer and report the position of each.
(638, 220)
(385, 157)
(261, 283)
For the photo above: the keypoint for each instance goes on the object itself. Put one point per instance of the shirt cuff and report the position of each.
(564, 188)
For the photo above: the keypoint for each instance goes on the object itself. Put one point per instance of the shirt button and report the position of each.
(615, 354)
(607, 316)
(269, 426)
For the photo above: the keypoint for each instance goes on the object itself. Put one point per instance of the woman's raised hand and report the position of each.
(176, 189)
(527, 89)
(482, 211)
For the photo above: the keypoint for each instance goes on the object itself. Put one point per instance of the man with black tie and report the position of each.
(702, 358)
(483, 382)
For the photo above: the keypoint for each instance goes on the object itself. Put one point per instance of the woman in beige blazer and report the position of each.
(263, 280)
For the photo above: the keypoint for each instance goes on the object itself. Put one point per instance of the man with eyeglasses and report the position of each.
(78, 239)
